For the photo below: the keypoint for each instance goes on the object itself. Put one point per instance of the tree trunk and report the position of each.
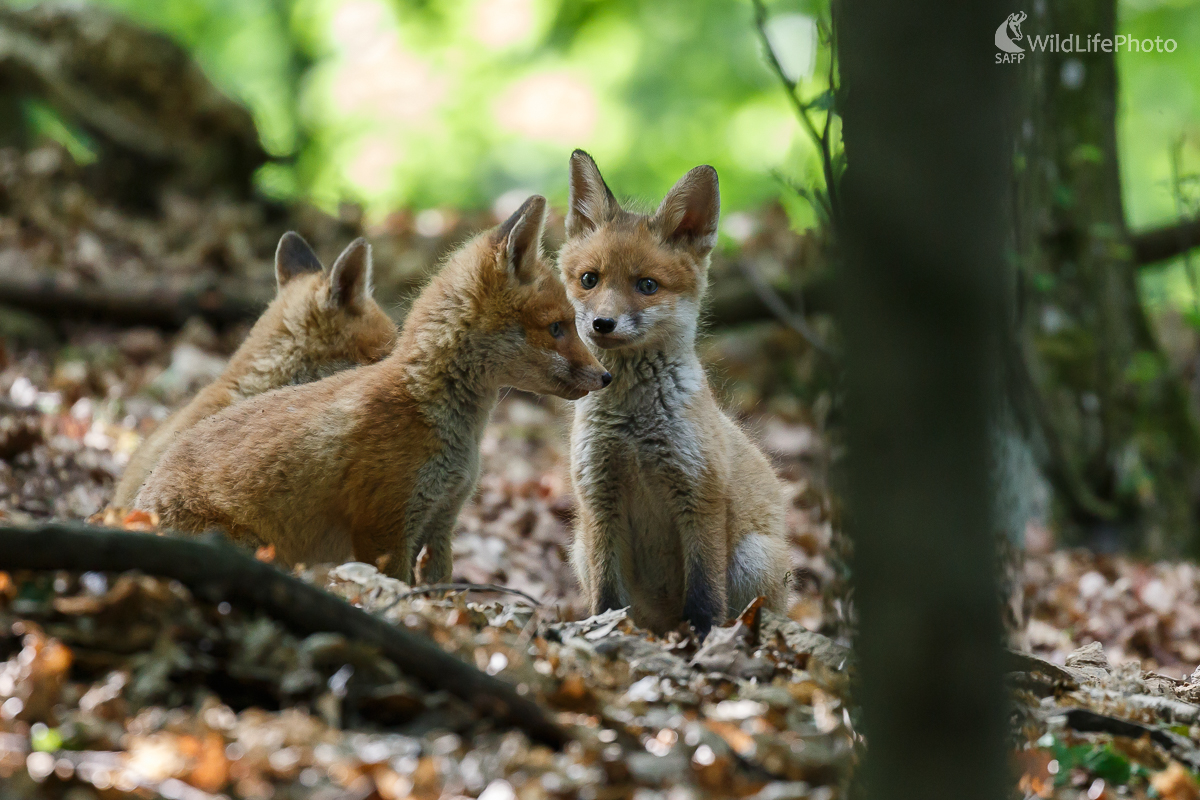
(925, 118)
(1108, 418)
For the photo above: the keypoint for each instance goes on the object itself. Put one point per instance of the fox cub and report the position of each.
(318, 323)
(376, 462)
(681, 517)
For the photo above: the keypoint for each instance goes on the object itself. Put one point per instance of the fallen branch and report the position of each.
(1180, 747)
(217, 572)
(1023, 667)
(1161, 244)
(156, 303)
(169, 304)
(734, 302)
(779, 309)
(1174, 712)
(461, 587)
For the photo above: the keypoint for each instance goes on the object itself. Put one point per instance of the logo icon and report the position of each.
(1006, 42)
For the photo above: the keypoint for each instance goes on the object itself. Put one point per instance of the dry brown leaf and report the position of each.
(210, 767)
(573, 694)
(45, 662)
(1175, 783)
(741, 742)
(1033, 766)
(138, 520)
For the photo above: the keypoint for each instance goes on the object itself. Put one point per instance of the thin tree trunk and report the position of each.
(1111, 420)
(925, 117)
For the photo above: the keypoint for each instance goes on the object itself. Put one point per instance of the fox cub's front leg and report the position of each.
(596, 467)
(445, 488)
(704, 557)
(388, 549)
(594, 557)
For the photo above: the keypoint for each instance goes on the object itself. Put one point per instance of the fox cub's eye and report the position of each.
(589, 280)
(647, 286)
(556, 330)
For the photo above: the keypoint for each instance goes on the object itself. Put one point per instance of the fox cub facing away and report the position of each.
(680, 515)
(376, 462)
(318, 323)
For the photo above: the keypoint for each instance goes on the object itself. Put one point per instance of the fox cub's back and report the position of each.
(376, 462)
(320, 321)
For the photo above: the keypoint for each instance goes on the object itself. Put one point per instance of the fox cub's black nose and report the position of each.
(604, 324)
(606, 379)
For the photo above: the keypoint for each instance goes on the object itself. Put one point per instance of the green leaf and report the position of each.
(822, 102)
(1087, 154)
(1143, 368)
(1108, 764)
(45, 739)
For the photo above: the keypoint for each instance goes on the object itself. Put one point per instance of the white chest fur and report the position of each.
(636, 459)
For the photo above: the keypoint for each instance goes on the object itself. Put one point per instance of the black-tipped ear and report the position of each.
(294, 257)
(591, 201)
(350, 276)
(689, 213)
(520, 239)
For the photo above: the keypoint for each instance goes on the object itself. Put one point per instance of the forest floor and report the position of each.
(125, 685)
(122, 685)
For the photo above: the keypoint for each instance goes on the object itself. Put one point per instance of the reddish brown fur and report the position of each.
(304, 334)
(680, 515)
(375, 462)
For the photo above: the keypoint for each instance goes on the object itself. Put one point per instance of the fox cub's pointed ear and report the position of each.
(591, 200)
(294, 257)
(689, 213)
(350, 276)
(520, 239)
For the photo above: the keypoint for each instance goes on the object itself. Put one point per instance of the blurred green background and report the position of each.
(454, 103)
(436, 103)
(1159, 133)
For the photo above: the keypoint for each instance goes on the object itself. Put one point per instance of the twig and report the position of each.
(460, 587)
(821, 141)
(1177, 191)
(169, 304)
(826, 148)
(775, 304)
(1085, 721)
(528, 631)
(1161, 244)
(218, 572)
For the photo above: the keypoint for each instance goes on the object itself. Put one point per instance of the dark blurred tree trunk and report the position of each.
(1109, 420)
(926, 117)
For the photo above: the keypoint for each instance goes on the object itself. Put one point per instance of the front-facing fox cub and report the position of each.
(318, 323)
(376, 462)
(680, 515)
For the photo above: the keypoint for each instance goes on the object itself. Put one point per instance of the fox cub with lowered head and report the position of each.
(376, 462)
(681, 517)
(319, 322)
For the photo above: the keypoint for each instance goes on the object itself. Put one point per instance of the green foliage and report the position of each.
(45, 739)
(439, 103)
(454, 102)
(1099, 761)
(44, 121)
(1159, 123)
